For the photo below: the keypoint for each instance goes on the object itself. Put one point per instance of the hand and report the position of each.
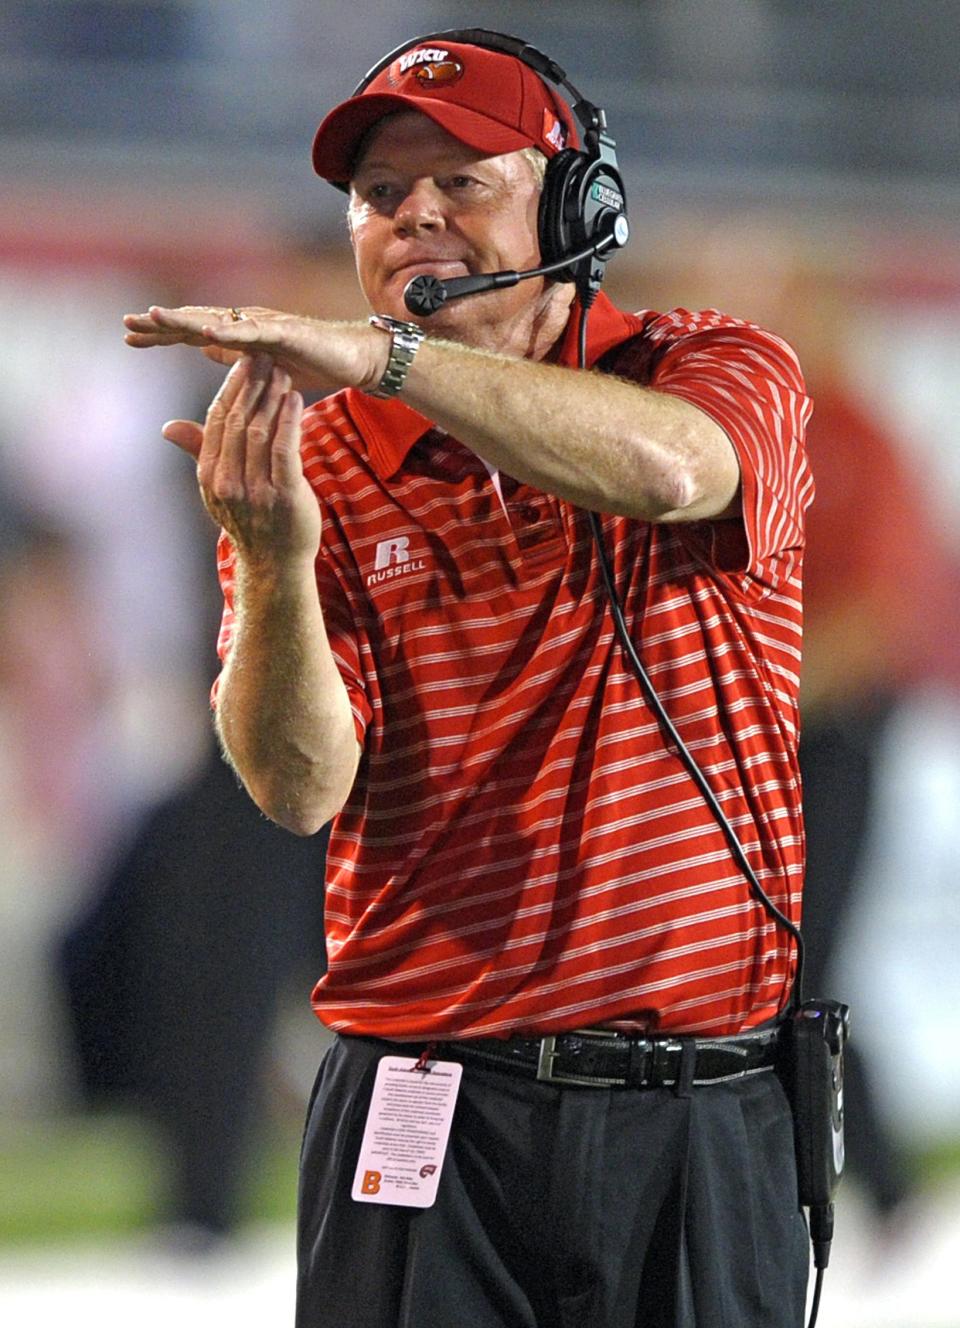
(249, 467)
(318, 356)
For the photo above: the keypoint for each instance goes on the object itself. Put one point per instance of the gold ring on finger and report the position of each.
(235, 314)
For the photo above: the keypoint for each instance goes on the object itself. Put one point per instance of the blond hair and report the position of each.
(538, 163)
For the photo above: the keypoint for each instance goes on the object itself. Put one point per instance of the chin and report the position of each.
(457, 323)
(487, 321)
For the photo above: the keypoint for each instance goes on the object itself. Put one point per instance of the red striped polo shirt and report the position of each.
(521, 850)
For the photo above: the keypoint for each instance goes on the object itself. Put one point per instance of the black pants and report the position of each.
(558, 1208)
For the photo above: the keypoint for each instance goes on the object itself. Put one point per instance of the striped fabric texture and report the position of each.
(521, 850)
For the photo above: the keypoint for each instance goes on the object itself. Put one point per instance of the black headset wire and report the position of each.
(669, 728)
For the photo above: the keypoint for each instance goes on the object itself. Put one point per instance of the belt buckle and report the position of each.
(549, 1053)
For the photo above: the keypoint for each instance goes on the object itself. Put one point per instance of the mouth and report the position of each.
(434, 267)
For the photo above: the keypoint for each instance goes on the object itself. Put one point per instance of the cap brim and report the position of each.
(339, 137)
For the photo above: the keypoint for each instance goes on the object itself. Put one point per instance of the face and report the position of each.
(422, 202)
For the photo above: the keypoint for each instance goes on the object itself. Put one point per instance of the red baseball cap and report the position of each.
(489, 100)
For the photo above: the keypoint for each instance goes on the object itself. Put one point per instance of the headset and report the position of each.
(582, 218)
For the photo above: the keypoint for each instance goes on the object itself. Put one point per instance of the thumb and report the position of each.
(186, 434)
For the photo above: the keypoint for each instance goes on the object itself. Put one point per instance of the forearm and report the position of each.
(283, 713)
(597, 441)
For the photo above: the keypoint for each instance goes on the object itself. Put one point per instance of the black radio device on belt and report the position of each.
(813, 1044)
(582, 221)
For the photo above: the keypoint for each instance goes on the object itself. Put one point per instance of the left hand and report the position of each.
(249, 467)
(319, 356)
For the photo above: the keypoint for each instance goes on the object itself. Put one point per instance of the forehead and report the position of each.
(409, 135)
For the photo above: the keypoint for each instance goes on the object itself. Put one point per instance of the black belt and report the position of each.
(603, 1059)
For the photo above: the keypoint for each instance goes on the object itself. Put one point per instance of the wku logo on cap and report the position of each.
(430, 66)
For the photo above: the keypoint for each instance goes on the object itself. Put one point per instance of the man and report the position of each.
(523, 879)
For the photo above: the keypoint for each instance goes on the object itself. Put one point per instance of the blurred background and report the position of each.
(794, 162)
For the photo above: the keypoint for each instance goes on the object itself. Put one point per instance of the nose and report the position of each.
(420, 209)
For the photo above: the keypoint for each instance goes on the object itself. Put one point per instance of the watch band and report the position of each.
(405, 339)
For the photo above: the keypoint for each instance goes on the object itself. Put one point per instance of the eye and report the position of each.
(461, 182)
(375, 191)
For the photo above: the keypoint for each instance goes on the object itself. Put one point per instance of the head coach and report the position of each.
(516, 605)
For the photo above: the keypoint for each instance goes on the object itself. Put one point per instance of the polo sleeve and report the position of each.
(340, 620)
(748, 381)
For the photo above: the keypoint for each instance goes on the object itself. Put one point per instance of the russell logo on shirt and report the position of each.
(392, 559)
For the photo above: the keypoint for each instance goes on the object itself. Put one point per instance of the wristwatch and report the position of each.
(404, 344)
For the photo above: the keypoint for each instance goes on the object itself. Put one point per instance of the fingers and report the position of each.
(231, 387)
(222, 461)
(217, 413)
(286, 463)
(187, 435)
(190, 436)
(248, 462)
(290, 340)
(157, 328)
(235, 461)
(191, 325)
(262, 426)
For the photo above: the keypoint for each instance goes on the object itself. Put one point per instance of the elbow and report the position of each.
(299, 818)
(304, 812)
(295, 788)
(687, 495)
(682, 492)
(670, 494)
(300, 824)
(302, 808)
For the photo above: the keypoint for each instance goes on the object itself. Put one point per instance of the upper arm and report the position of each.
(748, 382)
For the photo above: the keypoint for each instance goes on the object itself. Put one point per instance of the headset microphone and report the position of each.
(425, 294)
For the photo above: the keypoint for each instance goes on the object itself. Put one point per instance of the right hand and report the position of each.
(249, 467)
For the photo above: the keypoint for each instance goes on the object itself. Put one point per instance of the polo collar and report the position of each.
(607, 326)
(390, 427)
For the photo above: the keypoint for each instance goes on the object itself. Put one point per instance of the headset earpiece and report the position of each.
(581, 203)
(553, 224)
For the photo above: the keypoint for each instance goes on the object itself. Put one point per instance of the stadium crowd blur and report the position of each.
(154, 927)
